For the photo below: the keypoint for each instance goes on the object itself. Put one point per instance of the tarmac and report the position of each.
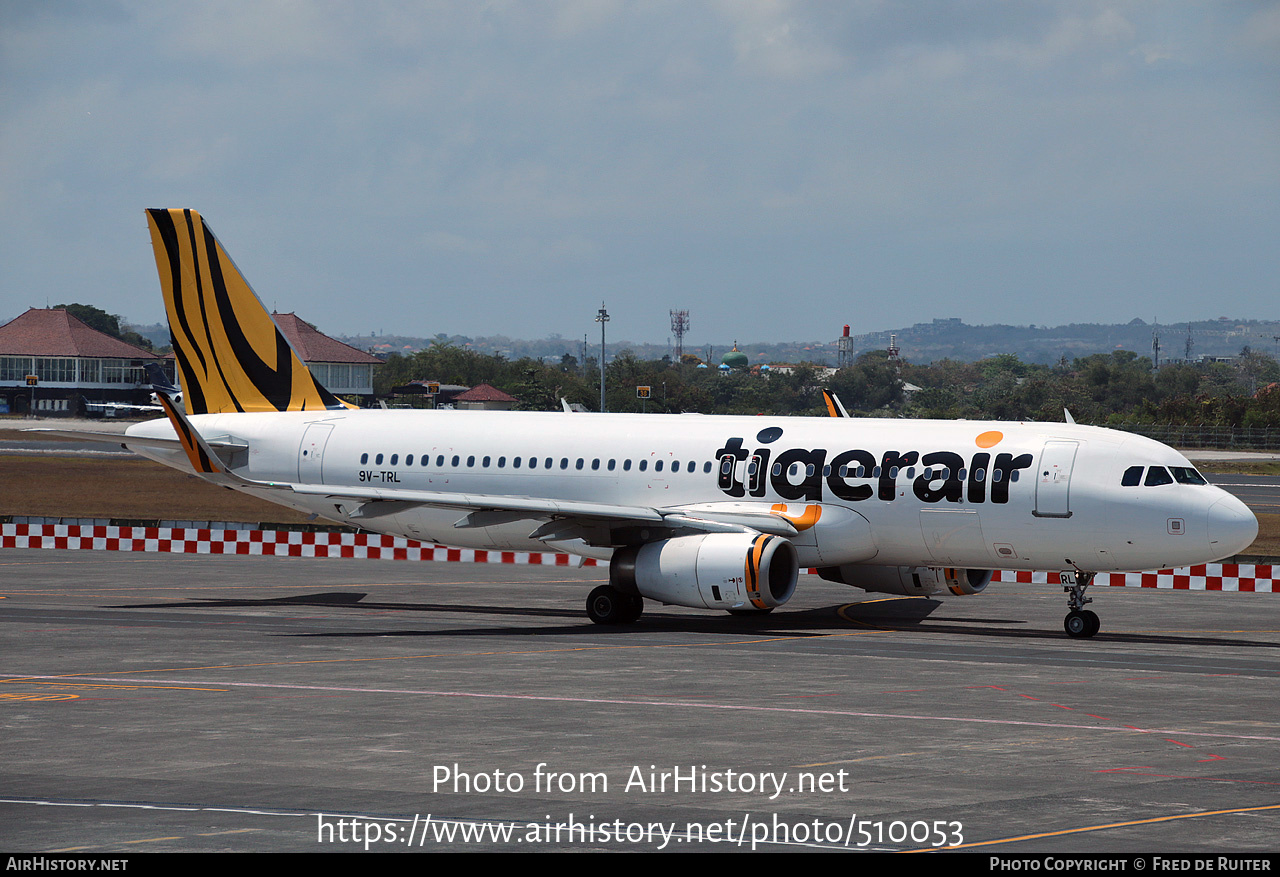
(158, 703)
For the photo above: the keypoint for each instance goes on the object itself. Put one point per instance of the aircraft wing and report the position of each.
(526, 506)
(485, 510)
(119, 438)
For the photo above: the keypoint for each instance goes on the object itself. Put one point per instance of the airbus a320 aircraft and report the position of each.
(705, 511)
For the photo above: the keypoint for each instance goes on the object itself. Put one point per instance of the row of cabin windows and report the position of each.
(1157, 475)
(456, 461)
(580, 463)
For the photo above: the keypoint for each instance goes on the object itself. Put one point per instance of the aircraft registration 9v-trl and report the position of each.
(712, 512)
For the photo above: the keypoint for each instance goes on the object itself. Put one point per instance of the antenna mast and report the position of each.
(679, 325)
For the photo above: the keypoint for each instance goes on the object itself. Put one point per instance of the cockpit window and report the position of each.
(1187, 475)
(1158, 475)
(1132, 477)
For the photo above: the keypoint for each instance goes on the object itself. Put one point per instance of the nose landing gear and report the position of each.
(1080, 623)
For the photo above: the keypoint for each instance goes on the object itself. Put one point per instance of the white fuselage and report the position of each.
(890, 492)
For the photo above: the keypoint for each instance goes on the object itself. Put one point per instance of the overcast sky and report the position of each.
(777, 168)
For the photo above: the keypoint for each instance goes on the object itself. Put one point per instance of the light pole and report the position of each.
(602, 317)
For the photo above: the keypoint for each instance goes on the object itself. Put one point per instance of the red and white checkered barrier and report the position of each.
(270, 543)
(295, 543)
(1201, 577)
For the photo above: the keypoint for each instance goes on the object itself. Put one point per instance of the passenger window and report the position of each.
(612, 463)
(706, 467)
(471, 461)
(626, 465)
(595, 464)
(408, 461)
(1158, 475)
(979, 475)
(515, 462)
(644, 464)
(546, 464)
(364, 459)
(456, 458)
(395, 458)
(1132, 477)
(777, 469)
(502, 462)
(485, 462)
(564, 462)
(440, 460)
(377, 461)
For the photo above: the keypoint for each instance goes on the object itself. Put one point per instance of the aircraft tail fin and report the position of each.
(834, 407)
(230, 353)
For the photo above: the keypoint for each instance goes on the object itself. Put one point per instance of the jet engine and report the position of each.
(909, 580)
(711, 571)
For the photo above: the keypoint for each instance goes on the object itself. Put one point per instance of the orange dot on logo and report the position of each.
(989, 439)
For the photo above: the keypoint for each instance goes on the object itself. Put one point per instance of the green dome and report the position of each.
(735, 358)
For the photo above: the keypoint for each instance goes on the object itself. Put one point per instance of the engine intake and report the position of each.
(711, 571)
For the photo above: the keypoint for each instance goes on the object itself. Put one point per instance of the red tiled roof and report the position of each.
(314, 346)
(484, 393)
(54, 332)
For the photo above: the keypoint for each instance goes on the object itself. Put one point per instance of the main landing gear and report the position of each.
(607, 605)
(1080, 623)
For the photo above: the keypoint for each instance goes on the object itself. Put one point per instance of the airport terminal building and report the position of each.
(53, 363)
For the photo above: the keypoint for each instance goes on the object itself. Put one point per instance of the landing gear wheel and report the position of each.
(607, 605)
(1081, 624)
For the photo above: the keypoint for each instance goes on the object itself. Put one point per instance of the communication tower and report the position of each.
(679, 325)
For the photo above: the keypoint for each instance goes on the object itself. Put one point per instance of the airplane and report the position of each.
(712, 512)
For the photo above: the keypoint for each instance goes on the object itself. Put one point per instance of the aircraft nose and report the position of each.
(1231, 526)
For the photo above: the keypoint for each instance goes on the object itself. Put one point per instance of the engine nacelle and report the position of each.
(712, 571)
(909, 580)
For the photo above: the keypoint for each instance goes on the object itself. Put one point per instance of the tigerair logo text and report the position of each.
(856, 474)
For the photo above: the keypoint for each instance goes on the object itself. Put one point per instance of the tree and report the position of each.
(108, 324)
